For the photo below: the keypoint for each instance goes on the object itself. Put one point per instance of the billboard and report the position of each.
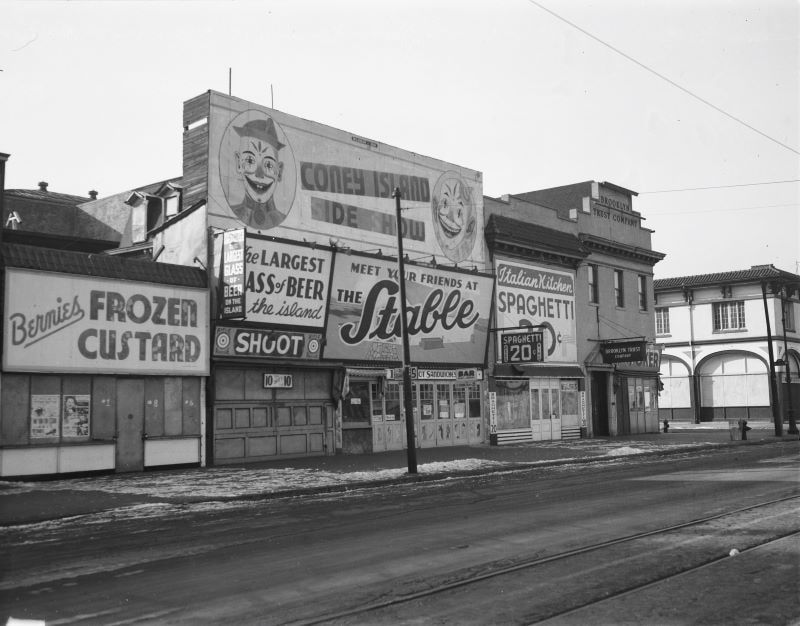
(286, 284)
(532, 295)
(66, 323)
(448, 312)
(287, 177)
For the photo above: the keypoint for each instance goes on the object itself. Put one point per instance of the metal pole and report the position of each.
(790, 410)
(411, 447)
(773, 384)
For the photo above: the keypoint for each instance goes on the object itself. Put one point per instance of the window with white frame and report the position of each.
(594, 296)
(729, 316)
(619, 289)
(662, 321)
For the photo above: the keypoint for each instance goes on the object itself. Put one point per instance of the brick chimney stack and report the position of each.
(43, 186)
(93, 194)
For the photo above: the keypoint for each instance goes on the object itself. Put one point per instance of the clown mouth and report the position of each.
(259, 187)
(450, 227)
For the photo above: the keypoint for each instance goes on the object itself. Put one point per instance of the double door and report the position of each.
(554, 408)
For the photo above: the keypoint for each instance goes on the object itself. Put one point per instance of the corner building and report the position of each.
(611, 387)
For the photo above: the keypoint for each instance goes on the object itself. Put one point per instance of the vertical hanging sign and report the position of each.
(232, 283)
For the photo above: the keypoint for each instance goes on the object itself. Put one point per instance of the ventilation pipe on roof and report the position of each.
(93, 194)
(42, 186)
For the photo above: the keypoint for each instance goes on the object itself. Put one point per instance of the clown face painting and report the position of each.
(454, 216)
(253, 162)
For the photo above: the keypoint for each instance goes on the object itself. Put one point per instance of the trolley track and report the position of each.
(704, 538)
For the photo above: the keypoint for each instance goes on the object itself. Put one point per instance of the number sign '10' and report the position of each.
(522, 348)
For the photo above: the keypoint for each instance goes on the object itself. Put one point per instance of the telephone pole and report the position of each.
(411, 447)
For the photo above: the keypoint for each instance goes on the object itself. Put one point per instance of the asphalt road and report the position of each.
(480, 550)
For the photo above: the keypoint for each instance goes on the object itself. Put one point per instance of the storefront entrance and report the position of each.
(447, 413)
(541, 409)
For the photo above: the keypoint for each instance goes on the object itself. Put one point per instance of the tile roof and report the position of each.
(68, 262)
(508, 230)
(757, 273)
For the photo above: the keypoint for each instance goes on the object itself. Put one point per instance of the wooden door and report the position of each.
(130, 425)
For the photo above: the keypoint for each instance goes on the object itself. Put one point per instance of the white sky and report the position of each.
(91, 97)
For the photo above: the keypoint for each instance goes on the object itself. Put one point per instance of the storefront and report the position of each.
(537, 384)
(103, 367)
(272, 395)
(635, 385)
(448, 311)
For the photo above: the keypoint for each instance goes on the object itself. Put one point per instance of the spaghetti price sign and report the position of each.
(522, 347)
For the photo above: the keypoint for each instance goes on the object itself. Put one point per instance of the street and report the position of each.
(638, 540)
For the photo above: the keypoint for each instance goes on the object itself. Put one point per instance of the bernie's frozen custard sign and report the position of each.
(448, 312)
(67, 323)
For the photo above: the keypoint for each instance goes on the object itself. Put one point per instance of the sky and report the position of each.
(693, 104)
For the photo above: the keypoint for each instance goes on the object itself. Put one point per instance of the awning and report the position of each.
(358, 372)
(539, 370)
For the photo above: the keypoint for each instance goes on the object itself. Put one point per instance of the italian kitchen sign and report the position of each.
(286, 284)
(530, 295)
(68, 323)
(448, 312)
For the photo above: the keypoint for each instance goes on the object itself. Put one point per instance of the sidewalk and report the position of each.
(23, 502)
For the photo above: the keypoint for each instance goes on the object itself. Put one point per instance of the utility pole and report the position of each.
(411, 447)
(786, 361)
(773, 384)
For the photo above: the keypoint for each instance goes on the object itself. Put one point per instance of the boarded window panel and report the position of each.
(734, 390)
(259, 417)
(224, 419)
(154, 406)
(173, 406)
(710, 391)
(104, 401)
(758, 389)
(16, 409)
(229, 384)
(191, 406)
(254, 386)
(315, 415)
(300, 416)
(284, 416)
(242, 418)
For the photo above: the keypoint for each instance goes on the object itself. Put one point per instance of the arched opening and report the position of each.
(734, 385)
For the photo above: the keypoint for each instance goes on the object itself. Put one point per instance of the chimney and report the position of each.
(93, 194)
(43, 186)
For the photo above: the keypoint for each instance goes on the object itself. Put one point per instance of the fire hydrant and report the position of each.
(743, 427)
(666, 426)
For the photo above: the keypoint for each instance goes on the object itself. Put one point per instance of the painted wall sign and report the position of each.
(530, 295)
(67, 323)
(623, 351)
(277, 174)
(232, 298)
(261, 343)
(286, 284)
(448, 312)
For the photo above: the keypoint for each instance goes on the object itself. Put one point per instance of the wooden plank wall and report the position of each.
(195, 150)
